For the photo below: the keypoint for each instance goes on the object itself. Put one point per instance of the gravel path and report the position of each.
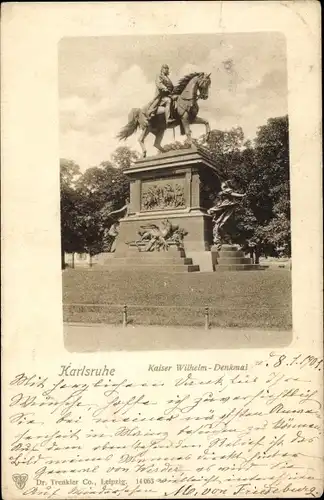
(100, 337)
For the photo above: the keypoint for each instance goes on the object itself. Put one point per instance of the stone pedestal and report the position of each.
(231, 259)
(168, 187)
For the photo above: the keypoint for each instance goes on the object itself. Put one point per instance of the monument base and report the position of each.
(171, 260)
(231, 259)
(196, 223)
(167, 210)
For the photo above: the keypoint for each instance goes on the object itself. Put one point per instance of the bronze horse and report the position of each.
(185, 112)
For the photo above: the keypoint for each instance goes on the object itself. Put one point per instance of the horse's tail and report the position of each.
(132, 125)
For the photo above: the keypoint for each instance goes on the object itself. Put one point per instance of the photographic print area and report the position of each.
(175, 196)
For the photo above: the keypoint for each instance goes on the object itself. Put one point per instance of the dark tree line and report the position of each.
(259, 168)
(87, 198)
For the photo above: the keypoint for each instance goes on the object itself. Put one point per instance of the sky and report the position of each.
(102, 78)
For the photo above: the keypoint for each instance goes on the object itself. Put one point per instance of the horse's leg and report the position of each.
(141, 140)
(158, 138)
(186, 126)
(202, 121)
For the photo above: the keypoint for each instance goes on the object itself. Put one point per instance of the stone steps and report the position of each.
(231, 253)
(234, 260)
(238, 267)
(171, 260)
(138, 251)
(152, 267)
(139, 261)
(231, 259)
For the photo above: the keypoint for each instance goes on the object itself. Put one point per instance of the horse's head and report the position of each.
(187, 86)
(203, 82)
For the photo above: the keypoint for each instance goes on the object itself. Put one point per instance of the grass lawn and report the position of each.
(249, 299)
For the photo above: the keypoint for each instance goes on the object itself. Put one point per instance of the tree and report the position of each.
(91, 230)
(118, 188)
(93, 188)
(124, 157)
(69, 173)
(225, 149)
(271, 189)
(104, 185)
(261, 169)
(98, 191)
(276, 232)
(69, 204)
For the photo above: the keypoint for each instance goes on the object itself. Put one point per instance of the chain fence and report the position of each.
(207, 316)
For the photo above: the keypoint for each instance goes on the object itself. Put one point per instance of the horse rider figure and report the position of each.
(164, 89)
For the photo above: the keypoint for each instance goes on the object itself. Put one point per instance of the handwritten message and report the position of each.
(181, 431)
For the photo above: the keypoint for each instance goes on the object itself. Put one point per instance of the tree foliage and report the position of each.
(261, 170)
(87, 198)
(124, 157)
(69, 203)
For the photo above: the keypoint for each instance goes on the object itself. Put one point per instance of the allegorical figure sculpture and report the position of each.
(112, 231)
(157, 238)
(227, 200)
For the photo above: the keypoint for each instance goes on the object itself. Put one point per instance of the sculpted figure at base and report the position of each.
(112, 231)
(227, 200)
(153, 237)
(171, 106)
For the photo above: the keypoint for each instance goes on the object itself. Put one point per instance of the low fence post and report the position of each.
(207, 324)
(124, 316)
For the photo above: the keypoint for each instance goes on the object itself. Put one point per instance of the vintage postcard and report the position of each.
(162, 250)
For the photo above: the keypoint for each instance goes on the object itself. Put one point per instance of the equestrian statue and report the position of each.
(170, 107)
